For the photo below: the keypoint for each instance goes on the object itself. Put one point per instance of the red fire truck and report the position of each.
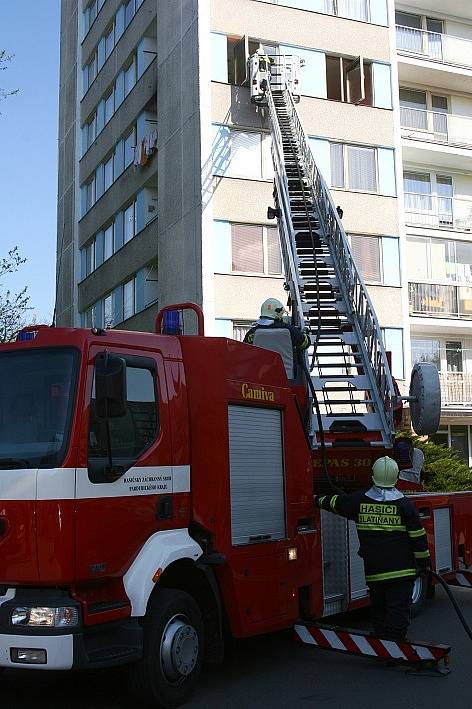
(156, 490)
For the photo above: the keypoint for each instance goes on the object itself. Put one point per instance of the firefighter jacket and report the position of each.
(393, 542)
(300, 338)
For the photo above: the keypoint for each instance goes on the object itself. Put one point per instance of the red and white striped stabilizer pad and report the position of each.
(460, 578)
(358, 643)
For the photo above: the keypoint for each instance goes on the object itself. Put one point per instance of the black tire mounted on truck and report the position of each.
(173, 650)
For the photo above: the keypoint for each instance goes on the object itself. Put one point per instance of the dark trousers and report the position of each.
(390, 607)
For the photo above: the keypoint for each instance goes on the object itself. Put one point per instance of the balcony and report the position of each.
(435, 212)
(434, 46)
(440, 301)
(436, 127)
(456, 390)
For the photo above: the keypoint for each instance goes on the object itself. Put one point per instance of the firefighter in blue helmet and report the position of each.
(393, 545)
(272, 312)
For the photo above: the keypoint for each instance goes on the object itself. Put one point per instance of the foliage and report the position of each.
(443, 469)
(13, 306)
(4, 59)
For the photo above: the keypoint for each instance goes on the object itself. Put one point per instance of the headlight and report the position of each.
(40, 617)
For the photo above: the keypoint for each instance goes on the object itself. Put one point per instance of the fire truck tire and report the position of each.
(173, 650)
(418, 596)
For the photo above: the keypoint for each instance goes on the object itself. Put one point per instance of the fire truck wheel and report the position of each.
(418, 596)
(173, 650)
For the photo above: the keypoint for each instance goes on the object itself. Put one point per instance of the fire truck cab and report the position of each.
(135, 463)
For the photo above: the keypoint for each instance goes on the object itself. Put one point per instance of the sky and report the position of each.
(29, 29)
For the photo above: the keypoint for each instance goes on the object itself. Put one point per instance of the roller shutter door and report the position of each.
(256, 474)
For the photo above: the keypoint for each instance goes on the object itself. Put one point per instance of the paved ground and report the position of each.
(274, 672)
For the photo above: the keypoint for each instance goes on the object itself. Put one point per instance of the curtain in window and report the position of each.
(353, 9)
(413, 109)
(274, 258)
(445, 194)
(366, 252)
(361, 168)
(409, 36)
(337, 165)
(246, 158)
(417, 259)
(417, 188)
(247, 248)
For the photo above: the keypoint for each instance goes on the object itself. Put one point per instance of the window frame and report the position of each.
(132, 361)
(346, 176)
(265, 252)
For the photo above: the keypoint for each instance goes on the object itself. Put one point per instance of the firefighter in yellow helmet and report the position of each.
(393, 545)
(272, 312)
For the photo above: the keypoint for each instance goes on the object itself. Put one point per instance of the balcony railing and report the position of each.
(436, 127)
(456, 389)
(444, 48)
(440, 301)
(435, 212)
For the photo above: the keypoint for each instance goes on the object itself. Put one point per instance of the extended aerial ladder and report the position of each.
(349, 368)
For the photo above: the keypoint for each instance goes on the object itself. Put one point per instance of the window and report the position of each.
(366, 253)
(129, 299)
(129, 12)
(89, 194)
(109, 105)
(109, 41)
(89, 258)
(454, 360)
(108, 312)
(130, 435)
(429, 199)
(255, 249)
(419, 34)
(393, 342)
(130, 76)
(91, 128)
(247, 249)
(425, 350)
(108, 172)
(108, 242)
(129, 222)
(245, 154)
(353, 167)
(91, 72)
(130, 143)
(349, 80)
(238, 153)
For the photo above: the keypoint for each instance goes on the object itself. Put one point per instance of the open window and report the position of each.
(349, 80)
(239, 51)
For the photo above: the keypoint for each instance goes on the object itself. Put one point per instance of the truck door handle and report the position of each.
(3, 526)
(164, 508)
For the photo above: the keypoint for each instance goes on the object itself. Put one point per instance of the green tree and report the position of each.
(13, 306)
(443, 469)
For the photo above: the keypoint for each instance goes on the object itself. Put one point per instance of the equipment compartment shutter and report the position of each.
(256, 474)
(442, 539)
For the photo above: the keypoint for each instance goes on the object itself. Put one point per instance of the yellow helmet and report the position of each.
(272, 308)
(385, 472)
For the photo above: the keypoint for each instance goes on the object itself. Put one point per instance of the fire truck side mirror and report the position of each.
(110, 385)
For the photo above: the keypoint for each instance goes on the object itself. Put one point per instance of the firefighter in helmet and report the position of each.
(393, 545)
(272, 312)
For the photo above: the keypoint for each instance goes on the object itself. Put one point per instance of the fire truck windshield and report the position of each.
(37, 392)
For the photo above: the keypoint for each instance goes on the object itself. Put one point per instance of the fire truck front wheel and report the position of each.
(173, 650)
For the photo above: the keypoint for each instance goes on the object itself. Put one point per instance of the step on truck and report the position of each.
(156, 489)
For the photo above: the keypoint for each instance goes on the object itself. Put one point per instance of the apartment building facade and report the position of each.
(434, 54)
(146, 219)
